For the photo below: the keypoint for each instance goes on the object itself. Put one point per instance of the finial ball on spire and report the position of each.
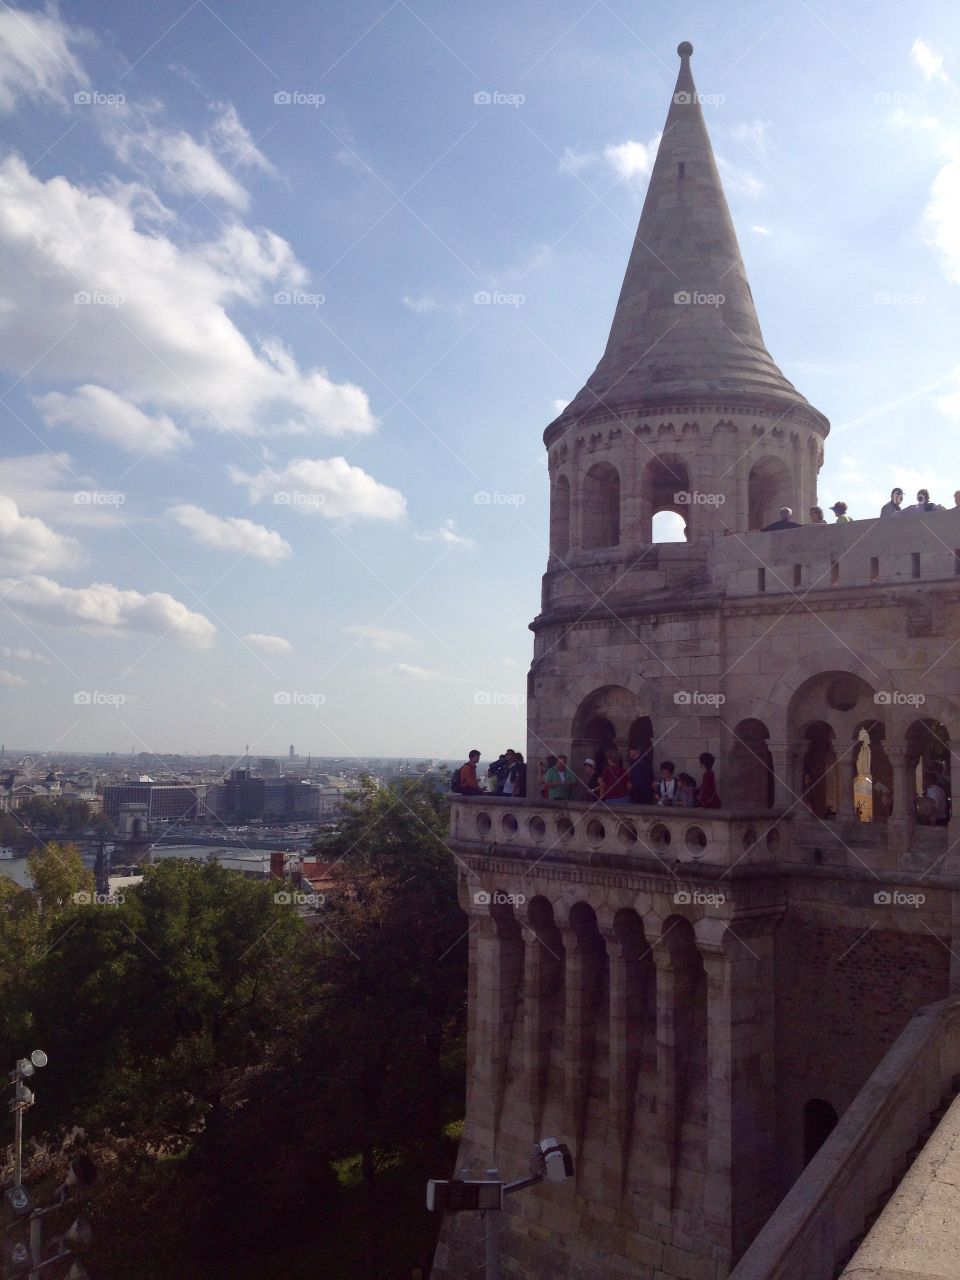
(685, 49)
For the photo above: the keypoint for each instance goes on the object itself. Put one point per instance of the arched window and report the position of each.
(819, 1121)
(668, 526)
(769, 487)
(600, 506)
(748, 776)
(665, 500)
(560, 517)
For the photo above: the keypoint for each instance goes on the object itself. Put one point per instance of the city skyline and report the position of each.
(290, 299)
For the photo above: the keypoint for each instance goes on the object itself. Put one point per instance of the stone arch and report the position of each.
(770, 485)
(665, 477)
(834, 661)
(819, 1121)
(873, 781)
(822, 779)
(640, 735)
(601, 723)
(825, 714)
(560, 516)
(600, 507)
(929, 754)
(749, 779)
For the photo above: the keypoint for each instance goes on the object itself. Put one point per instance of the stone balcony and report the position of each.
(591, 832)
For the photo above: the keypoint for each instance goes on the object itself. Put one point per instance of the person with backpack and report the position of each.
(464, 781)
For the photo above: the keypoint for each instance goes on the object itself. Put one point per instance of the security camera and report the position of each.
(557, 1162)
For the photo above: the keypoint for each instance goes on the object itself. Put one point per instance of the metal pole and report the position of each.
(493, 1233)
(17, 1135)
(36, 1244)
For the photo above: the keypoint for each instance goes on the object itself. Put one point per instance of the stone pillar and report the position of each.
(741, 1188)
(787, 779)
(901, 824)
(584, 986)
(847, 772)
(499, 969)
(542, 981)
(677, 973)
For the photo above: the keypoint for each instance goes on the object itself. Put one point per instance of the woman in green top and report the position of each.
(554, 780)
(839, 509)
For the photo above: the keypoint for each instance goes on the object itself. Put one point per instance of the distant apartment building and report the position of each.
(242, 798)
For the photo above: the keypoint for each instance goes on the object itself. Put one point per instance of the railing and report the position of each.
(812, 1230)
(535, 828)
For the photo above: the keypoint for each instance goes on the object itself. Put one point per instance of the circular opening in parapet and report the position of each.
(508, 824)
(749, 839)
(773, 840)
(596, 831)
(660, 834)
(564, 828)
(483, 824)
(627, 834)
(696, 840)
(537, 828)
(843, 693)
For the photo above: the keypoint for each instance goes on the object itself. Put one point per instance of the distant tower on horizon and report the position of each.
(292, 752)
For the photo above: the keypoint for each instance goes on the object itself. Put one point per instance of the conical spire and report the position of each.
(685, 328)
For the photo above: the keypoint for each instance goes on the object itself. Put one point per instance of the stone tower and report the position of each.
(692, 998)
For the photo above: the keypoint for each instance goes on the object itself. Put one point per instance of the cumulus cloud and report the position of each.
(267, 644)
(232, 533)
(404, 671)
(9, 678)
(446, 533)
(46, 485)
(331, 487)
(22, 655)
(36, 57)
(382, 638)
(145, 317)
(738, 181)
(27, 543)
(103, 608)
(630, 160)
(99, 412)
(928, 61)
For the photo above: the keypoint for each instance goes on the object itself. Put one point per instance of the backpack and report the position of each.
(455, 779)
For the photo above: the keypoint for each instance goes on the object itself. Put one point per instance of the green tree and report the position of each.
(58, 873)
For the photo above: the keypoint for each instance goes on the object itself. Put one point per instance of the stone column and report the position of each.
(901, 824)
(787, 782)
(740, 1189)
(584, 984)
(542, 979)
(677, 973)
(499, 970)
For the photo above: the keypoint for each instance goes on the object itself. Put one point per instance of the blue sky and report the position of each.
(270, 472)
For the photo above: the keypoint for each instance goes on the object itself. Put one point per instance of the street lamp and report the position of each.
(17, 1197)
(550, 1161)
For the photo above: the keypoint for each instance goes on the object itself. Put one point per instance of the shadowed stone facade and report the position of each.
(690, 998)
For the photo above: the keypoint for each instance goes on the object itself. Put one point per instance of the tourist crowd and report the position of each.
(892, 508)
(608, 779)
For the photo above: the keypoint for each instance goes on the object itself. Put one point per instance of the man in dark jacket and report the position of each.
(640, 778)
(786, 521)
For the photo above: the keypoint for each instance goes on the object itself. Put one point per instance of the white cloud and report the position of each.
(752, 132)
(941, 217)
(737, 181)
(103, 413)
(630, 159)
(928, 61)
(232, 533)
(103, 608)
(27, 543)
(45, 484)
(573, 161)
(22, 655)
(154, 328)
(36, 60)
(8, 677)
(405, 671)
(382, 638)
(447, 533)
(331, 487)
(420, 305)
(759, 230)
(560, 405)
(267, 644)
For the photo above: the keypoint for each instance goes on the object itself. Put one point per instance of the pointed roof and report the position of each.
(673, 340)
